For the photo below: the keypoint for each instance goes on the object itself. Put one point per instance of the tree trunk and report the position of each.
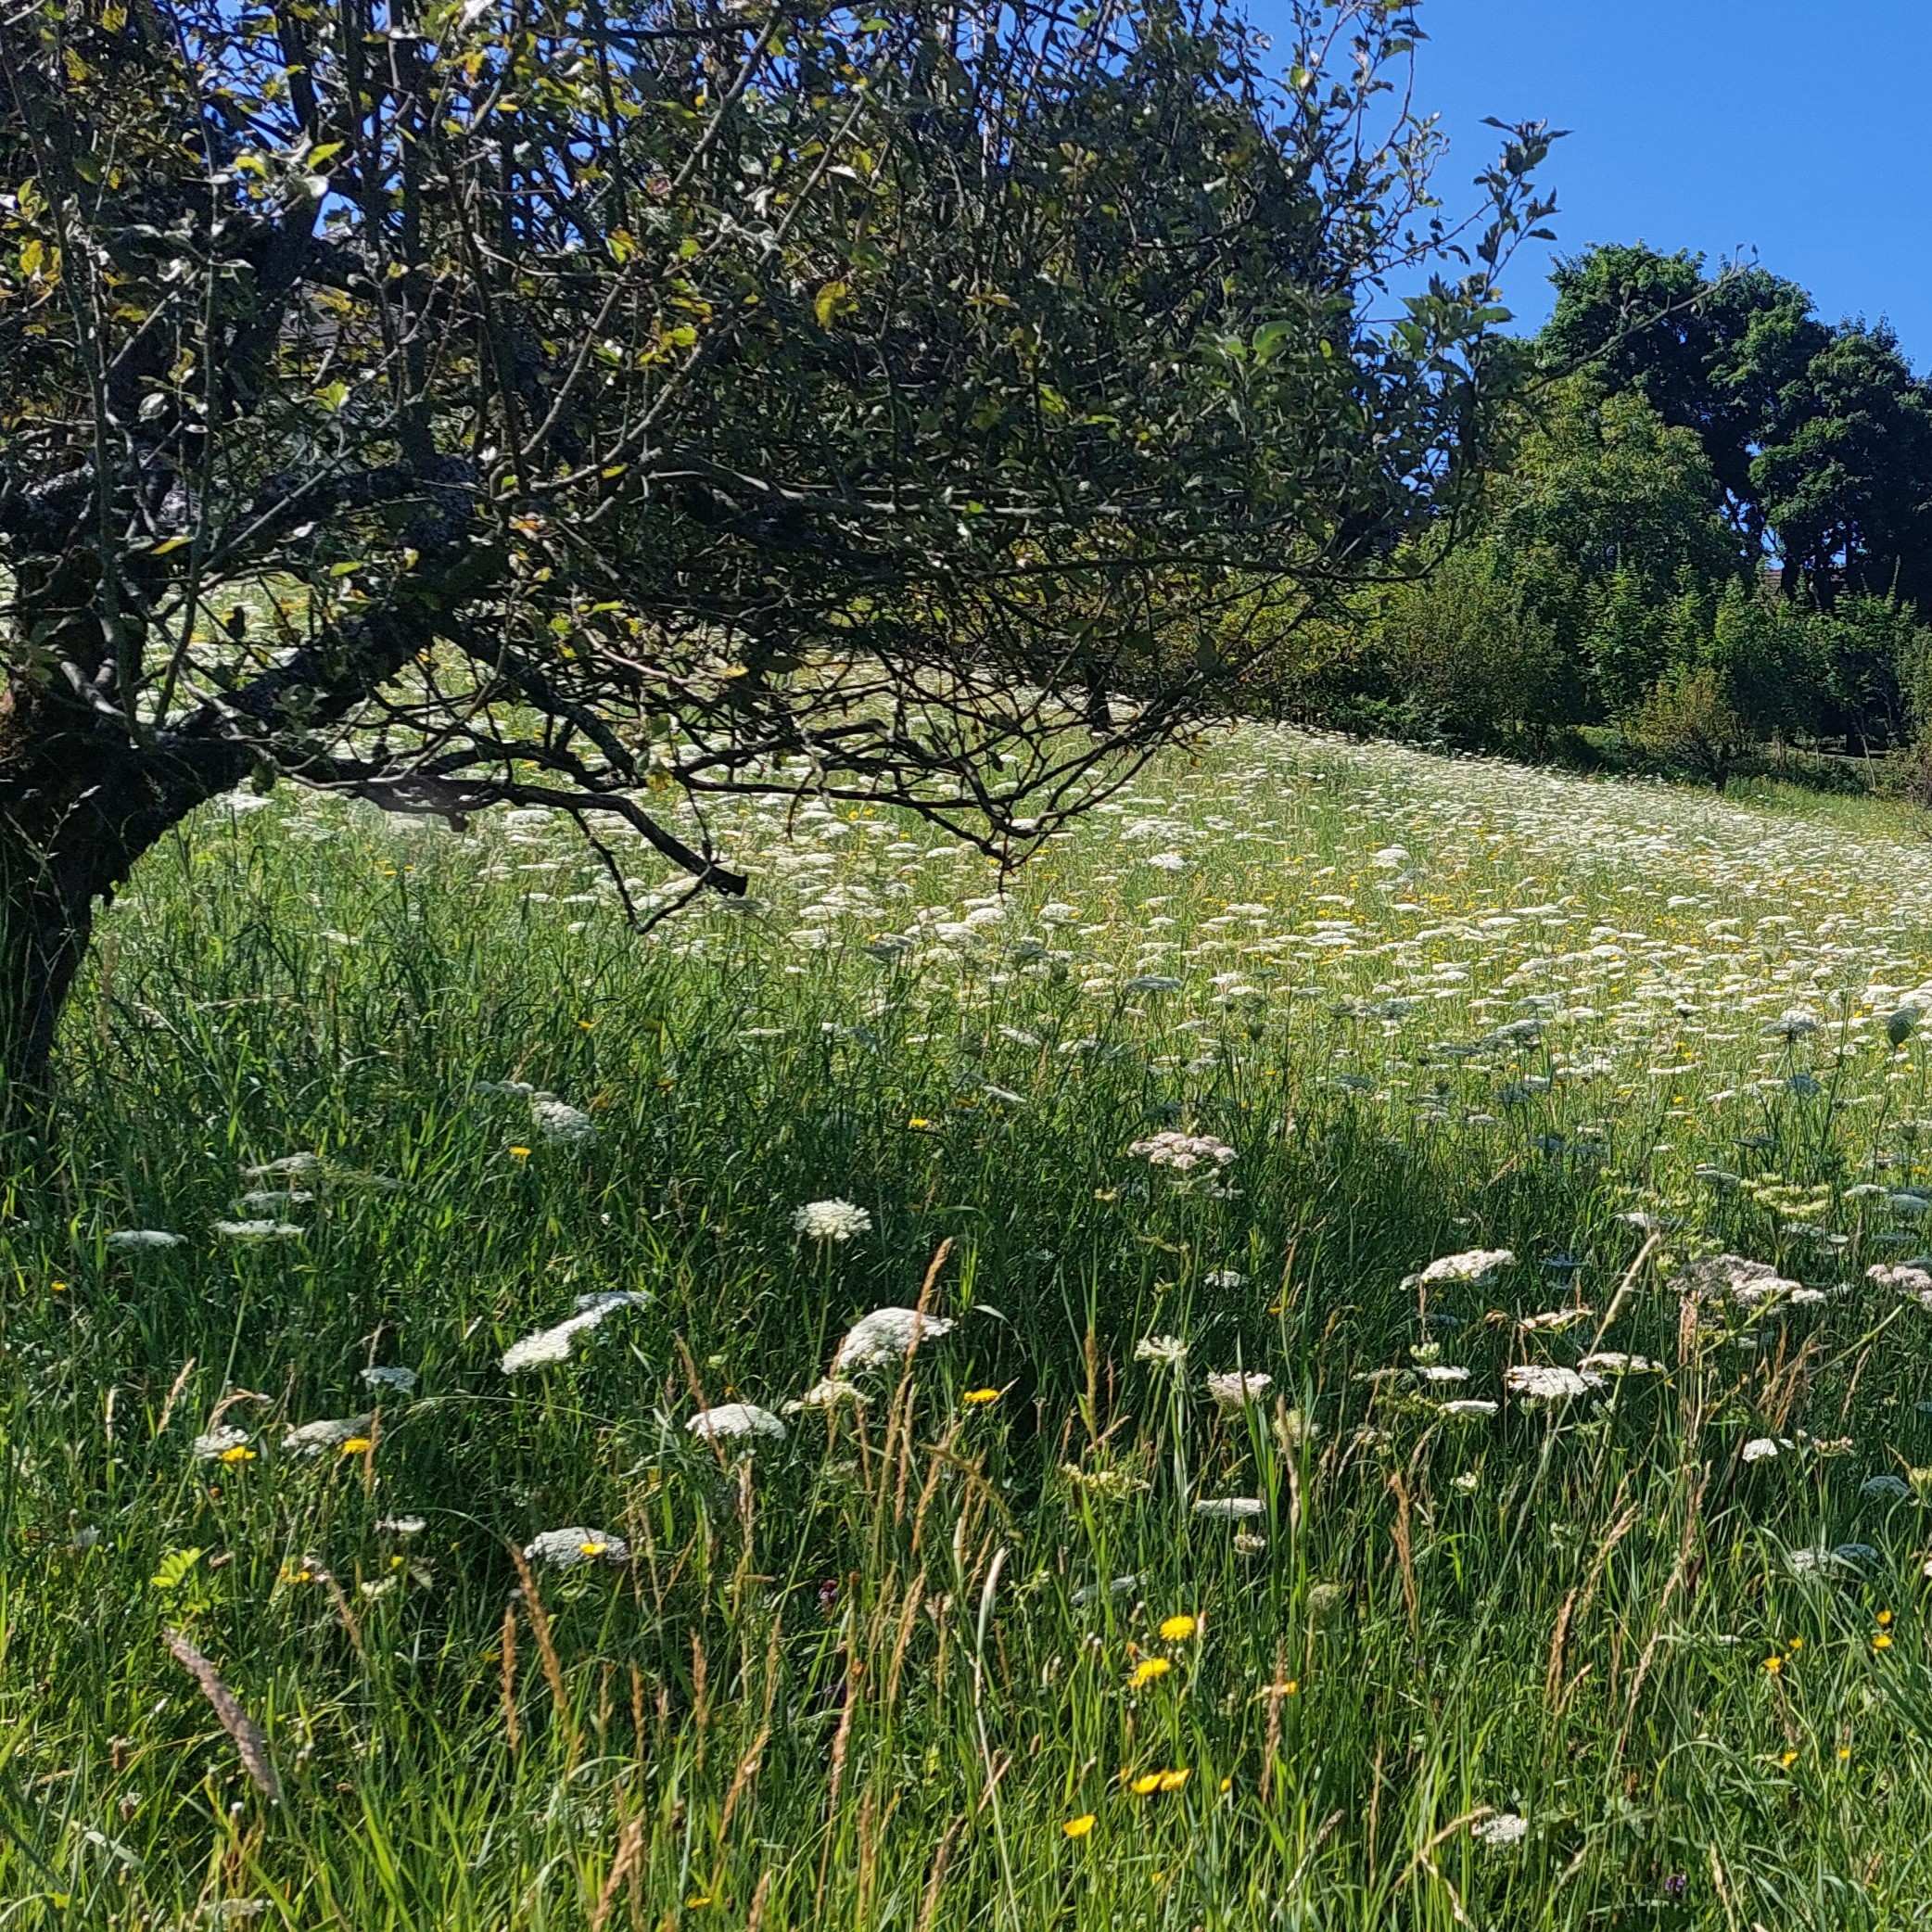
(78, 806)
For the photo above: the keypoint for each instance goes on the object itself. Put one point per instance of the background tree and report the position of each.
(457, 402)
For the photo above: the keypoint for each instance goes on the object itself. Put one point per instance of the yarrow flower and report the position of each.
(549, 1345)
(1182, 1151)
(130, 1241)
(830, 1221)
(736, 1421)
(564, 1550)
(1236, 1391)
(885, 1335)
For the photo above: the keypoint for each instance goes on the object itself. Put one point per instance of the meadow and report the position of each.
(1408, 1406)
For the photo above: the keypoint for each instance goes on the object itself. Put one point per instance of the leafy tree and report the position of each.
(1607, 519)
(458, 402)
(1848, 483)
(1725, 357)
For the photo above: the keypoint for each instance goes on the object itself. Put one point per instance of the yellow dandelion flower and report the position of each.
(59, 1288)
(1844, 1752)
(1078, 1827)
(1148, 1669)
(519, 1154)
(1228, 1784)
(355, 1446)
(1794, 1645)
(917, 1121)
(1884, 1617)
(1773, 1663)
(591, 1549)
(1177, 1630)
(1148, 1781)
(1883, 1641)
(240, 1453)
(978, 1398)
(1173, 1780)
(1788, 1760)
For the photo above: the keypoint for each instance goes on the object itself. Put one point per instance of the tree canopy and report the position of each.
(457, 402)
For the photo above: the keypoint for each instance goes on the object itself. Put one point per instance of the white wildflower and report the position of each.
(1163, 1351)
(1502, 1831)
(257, 1230)
(1057, 912)
(1474, 1265)
(1226, 1277)
(1182, 1150)
(1168, 862)
(885, 1335)
(1553, 1320)
(566, 1548)
(402, 1525)
(403, 1380)
(130, 1241)
(263, 1201)
(736, 1421)
(1764, 1448)
(1441, 1372)
(217, 1443)
(315, 1438)
(1611, 1363)
(1237, 1390)
(287, 1164)
(549, 1345)
(1469, 1408)
(1246, 1544)
(1538, 1382)
(1229, 1509)
(1718, 1276)
(560, 1124)
(827, 1393)
(832, 1220)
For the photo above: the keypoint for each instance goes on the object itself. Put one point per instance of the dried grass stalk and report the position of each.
(249, 1741)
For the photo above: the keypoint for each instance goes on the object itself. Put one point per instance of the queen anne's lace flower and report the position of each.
(315, 1438)
(830, 1221)
(257, 1230)
(1763, 1448)
(1732, 1278)
(1476, 1265)
(550, 1345)
(1163, 1351)
(1237, 1390)
(826, 1394)
(1182, 1150)
(217, 1443)
(885, 1335)
(1469, 1408)
(130, 1241)
(559, 1123)
(564, 1550)
(1538, 1382)
(1502, 1831)
(1229, 1509)
(403, 1380)
(736, 1421)
(1226, 1277)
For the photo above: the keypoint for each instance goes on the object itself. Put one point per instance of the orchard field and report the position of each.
(1407, 1408)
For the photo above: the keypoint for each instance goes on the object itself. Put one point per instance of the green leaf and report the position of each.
(173, 1569)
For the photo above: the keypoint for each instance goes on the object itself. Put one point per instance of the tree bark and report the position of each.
(80, 802)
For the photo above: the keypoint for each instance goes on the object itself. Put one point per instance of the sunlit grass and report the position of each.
(881, 1671)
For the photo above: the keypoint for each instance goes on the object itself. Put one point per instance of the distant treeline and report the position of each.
(1708, 527)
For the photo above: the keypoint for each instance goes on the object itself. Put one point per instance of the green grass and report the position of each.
(866, 1676)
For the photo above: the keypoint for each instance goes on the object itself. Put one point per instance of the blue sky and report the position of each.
(1791, 127)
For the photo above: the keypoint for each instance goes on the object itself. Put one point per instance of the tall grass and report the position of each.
(871, 1674)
